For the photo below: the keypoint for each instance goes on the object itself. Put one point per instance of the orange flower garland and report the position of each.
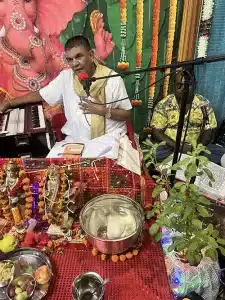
(154, 46)
(139, 49)
(170, 41)
(154, 56)
(123, 64)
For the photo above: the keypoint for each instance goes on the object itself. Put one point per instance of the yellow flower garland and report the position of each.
(170, 41)
(139, 48)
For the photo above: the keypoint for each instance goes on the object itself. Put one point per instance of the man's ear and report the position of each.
(92, 53)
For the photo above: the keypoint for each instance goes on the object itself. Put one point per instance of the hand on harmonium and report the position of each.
(88, 106)
(4, 107)
(5, 102)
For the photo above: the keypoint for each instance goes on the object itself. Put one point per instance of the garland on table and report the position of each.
(123, 64)
(154, 55)
(170, 42)
(139, 49)
(204, 28)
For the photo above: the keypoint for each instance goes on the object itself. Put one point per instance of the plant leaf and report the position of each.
(147, 156)
(212, 242)
(215, 234)
(221, 241)
(171, 248)
(193, 187)
(203, 200)
(167, 160)
(179, 184)
(210, 229)
(212, 253)
(202, 211)
(153, 229)
(197, 223)
(209, 174)
(222, 250)
(158, 237)
(183, 189)
(187, 212)
(150, 214)
(157, 190)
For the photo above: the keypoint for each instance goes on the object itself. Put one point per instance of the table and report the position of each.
(143, 277)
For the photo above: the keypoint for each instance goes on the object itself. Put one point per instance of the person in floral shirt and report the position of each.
(200, 128)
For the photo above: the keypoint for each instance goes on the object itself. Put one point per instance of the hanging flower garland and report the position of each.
(154, 56)
(139, 49)
(204, 28)
(123, 64)
(170, 41)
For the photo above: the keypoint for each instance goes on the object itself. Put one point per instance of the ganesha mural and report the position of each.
(30, 53)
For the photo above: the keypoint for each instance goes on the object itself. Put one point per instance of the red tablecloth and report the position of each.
(141, 278)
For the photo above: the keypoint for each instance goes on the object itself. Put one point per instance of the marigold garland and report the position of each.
(205, 26)
(170, 41)
(139, 49)
(123, 63)
(154, 56)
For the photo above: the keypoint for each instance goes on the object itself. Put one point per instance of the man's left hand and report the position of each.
(89, 107)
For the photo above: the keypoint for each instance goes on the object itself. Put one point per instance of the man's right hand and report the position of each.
(4, 107)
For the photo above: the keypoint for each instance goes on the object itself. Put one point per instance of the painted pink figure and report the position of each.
(30, 53)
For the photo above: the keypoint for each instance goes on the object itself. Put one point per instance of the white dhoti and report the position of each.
(115, 146)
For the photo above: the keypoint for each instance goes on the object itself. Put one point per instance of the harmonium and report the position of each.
(24, 132)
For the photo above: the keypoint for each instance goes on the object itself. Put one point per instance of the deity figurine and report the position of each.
(52, 196)
(15, 195)
(59, 197)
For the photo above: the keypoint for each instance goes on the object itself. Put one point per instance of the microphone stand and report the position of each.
(194, 62)
(184, 101)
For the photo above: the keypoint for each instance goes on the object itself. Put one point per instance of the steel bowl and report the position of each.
(24, 278)
(89, 282)
(94, 220)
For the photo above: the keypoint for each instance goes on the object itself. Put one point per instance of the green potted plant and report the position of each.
(185, 210)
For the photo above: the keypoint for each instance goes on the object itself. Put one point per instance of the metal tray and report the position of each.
(28, 260)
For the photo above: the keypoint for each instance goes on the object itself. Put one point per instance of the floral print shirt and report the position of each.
(166, 117)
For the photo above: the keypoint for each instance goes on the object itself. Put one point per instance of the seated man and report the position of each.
(86, 119)
(201, 126)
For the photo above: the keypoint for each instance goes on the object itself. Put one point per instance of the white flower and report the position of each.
(207, 10)
(202, 46)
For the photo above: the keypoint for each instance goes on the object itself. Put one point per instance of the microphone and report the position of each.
(85, 81)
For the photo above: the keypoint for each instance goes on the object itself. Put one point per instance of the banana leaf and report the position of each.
(74, 27)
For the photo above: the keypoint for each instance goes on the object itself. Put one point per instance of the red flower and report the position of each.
(83, 76)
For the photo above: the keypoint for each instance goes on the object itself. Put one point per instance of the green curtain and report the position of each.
(80, 24)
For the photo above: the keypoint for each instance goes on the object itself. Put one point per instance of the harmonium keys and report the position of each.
(23, 121)
(24, 132)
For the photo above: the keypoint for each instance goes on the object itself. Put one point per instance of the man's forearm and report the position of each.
(33, 97)
(119, 114)
(207, 137)
(160, 136)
